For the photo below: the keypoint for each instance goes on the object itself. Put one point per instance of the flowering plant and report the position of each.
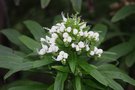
(68, 52)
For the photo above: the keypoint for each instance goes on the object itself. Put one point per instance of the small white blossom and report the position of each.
(87, 48)
(59, 58)
(85, 33)
(73, 45)
(61, 53)
(92, 53)
(68, 29)
(65, 56)
(69, 39)
(62, 56)
(81, 33)
(65, 35)
(78, 48)
(90, 34)
(54, 35)
(83, 26)
(81, 44)
(63, 17)
(41, 51)
(75, 31)
(53, 29)
(62, 27)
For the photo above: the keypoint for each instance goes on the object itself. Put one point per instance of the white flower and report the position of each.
(75, 31)
(81, 44)
(42, 39)
(61, 53)
(62, 56)
(78, 48)
(53, 48)
(87, 48)
(44, 47)
(85, 33)
(81, 33)
(59, 58)
(90, 34)
(92, 53)
(65, 56)
(53, 29)
(73, 45)
(62, 27)
(54, 35)
(100, 51)
(83, 26)
(69, 39)
(41, 51)
(68, 29)
(65, 35)
(63, 17)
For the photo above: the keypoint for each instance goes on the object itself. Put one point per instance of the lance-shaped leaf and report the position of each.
(59, 81)
(30, 43)
(35, 28)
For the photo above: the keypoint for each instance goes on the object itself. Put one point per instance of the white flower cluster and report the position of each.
(73, 34)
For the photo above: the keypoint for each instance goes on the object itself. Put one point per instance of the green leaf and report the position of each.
(36, 30)
(61, 68)
(12, 35)
(30, 43)
(130, 59)
(93, 84)
(51, 87)
(10, 62)
(59, 81)
(102, 29)
(76, 5)
(107, 57)
(72, 62)
(5, 51)
(40, 63)
(119, 75)
(93, 72)
(78, 83)
(44, 3)
(108, 67)
(121, 50)
(114, 85)
(27, 85)
(123, 13)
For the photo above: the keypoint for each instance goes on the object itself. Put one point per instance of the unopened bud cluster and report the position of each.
(73, 34)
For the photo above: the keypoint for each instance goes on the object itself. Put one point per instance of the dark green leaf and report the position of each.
(40, 63)
(123, 13)
(5, 51)
(27, 85)
(36, 30)
(72, 62)
(44, 3)
(121, 50)
(78, 83)
(12, 35)
(114, 85)
(61, 68)
(30, 43)
(59, 81)
(119, 75)
(93, 84)
(76, 5)
(130, 59)
(93, 72)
